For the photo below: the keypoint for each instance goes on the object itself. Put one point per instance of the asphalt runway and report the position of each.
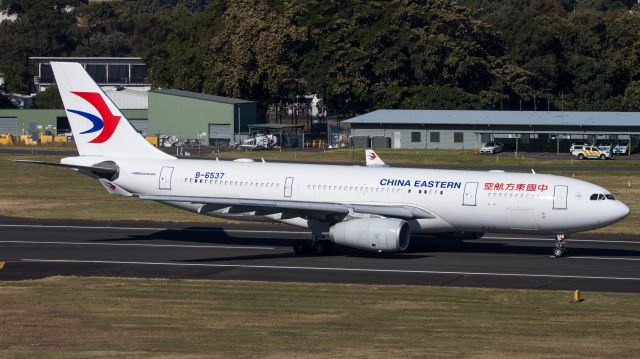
(37, 249)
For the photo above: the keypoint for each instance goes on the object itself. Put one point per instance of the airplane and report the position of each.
(371, 208)
(372, 159)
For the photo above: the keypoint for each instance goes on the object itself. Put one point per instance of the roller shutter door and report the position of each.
(9, 125)
(219, 134)
(140, 125)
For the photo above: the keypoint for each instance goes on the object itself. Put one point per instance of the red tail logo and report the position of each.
(107, 122)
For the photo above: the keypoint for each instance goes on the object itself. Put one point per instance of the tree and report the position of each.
(379, 54)
(255, 53)
(42, 28)
(49, 98)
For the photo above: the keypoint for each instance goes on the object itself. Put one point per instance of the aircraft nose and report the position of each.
(621, 211)
(624, 210)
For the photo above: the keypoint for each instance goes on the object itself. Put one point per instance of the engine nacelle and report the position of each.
(372, 234)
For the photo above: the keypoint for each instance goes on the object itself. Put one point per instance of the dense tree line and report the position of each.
(356, 55)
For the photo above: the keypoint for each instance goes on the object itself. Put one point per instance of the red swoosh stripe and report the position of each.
(110, 121)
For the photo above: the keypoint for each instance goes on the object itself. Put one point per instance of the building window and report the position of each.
(139, 74)
(415, 137)
(118, 74)
(485, 137)
(97, 72)
(434, 136)
(458, 137)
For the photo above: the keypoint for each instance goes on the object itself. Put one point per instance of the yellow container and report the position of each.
(6, 139)
(44, 139)
(27, 140)
(60, 139)
(152, 140)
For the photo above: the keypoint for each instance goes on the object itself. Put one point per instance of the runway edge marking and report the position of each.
(249, 266)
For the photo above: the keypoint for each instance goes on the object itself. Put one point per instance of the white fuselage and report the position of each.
(457, 200)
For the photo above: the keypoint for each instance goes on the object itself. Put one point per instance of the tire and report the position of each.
(302, 248)
(603, 157)
(323, 248)
(580, 156)
(558, 252)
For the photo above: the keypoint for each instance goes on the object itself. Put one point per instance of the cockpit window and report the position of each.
(609, 196)
(594, 197)
(601, 197)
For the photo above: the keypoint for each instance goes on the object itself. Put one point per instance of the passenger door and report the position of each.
(470, 191)
(288, 187)
(165, 178)
(560, 197)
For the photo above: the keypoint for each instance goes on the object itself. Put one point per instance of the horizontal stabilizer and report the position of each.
(106, 171)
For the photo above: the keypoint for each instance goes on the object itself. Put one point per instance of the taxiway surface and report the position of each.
(36, 249)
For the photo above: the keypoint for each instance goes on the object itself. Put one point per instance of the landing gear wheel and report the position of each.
(302, 248)
(561, 246)
(559, 252)
(323, 247)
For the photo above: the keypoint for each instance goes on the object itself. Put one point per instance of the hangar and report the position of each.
(190, 115)
(462, 129)
(181, 114)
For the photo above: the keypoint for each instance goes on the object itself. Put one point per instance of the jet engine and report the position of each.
(372, 234)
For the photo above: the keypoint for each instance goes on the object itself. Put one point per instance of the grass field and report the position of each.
(74, 317)
(422, 157)
(32, 191)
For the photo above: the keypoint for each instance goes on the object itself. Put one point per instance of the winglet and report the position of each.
(373, 160)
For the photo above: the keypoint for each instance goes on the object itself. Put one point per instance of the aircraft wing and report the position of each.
(315, 209)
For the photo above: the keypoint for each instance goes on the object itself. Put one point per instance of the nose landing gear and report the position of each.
(560, 249)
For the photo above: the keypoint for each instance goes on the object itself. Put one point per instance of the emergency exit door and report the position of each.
(470, 190)
(288, 187)
(165, 178)
(560, 197)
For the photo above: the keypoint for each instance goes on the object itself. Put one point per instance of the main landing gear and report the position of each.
(317, 246)
(560, 249)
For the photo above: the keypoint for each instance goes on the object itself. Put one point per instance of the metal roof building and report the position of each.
(175, 113)
(106, 71)
(539, 130)
(194, 115)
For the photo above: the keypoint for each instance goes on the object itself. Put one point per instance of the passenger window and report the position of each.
(593, 197)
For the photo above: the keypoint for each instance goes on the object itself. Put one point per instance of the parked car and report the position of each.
(492, 147)
(591, 152)
(605, 146)
(622, 148)
(575, 146)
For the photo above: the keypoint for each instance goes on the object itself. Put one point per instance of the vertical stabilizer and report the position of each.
(98, 126)
(373, 160)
